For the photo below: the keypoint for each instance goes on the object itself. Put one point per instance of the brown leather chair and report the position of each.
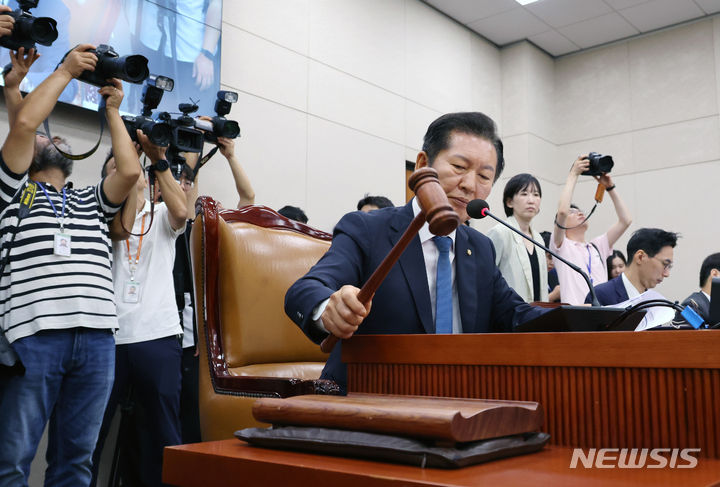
(243, 263)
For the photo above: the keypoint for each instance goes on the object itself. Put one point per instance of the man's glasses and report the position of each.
(667, 264)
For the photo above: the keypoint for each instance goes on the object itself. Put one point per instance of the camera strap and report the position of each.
(77, 157)
(203, 160)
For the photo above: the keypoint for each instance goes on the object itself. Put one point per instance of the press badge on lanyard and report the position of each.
(62, 242)
(131, 289)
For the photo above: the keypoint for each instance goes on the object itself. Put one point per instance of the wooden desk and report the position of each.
(599, 390)
(232, 462)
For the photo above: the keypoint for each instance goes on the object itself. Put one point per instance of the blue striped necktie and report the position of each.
(443, 287)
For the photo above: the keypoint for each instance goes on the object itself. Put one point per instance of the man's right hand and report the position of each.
(344, 312)
(581, 164)
(6, 22)
(79, 60)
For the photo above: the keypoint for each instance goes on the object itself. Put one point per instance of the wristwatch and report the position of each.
(161, 165)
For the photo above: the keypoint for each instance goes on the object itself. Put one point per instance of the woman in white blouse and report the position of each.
(522, 265)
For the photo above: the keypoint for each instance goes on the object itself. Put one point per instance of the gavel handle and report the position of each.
(368, 290)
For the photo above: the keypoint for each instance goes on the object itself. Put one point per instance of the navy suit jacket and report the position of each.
(611, 292)
(402, 302)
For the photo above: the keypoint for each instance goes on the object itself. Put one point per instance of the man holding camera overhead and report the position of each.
(148, 352)
(571, 227)
(56, 294)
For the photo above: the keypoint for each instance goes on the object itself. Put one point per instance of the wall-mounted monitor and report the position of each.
(180, 38)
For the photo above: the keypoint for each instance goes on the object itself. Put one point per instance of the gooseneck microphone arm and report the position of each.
(480, 209)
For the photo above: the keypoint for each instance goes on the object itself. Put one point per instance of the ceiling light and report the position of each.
(525, 2)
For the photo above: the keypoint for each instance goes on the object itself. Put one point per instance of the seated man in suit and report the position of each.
(700, 300)
(472, 296)
(650, 258)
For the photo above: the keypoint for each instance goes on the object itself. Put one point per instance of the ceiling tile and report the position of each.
(620, 4)
(467, 11)
(554, 43)
(661, 13)
(510, 26)
(599, 30)
(558, 13)
(709, 6)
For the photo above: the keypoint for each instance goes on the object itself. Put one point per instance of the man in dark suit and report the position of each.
(700, 300)
(467, 154)
(650, 258)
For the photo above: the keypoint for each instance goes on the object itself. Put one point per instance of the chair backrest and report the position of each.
(249, 258)
(257, 265)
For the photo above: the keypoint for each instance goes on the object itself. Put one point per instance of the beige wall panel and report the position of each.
(677, 144)
(284, 22)
(365, 39)
(273, 151)
(261, 68)
(343, 165)
(417, 119)
(593, 94)
(541, 102)
(672, 76)
(349, 101)
(438, 63)
(516, 150)
(543, 161)
(486, 80)
(514, 75)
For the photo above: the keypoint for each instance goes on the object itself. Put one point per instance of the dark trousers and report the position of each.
(152, 371)
(189, 409)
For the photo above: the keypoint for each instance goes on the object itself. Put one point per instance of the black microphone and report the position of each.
(480, 209)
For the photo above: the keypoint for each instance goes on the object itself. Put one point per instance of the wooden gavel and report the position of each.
(434, 208)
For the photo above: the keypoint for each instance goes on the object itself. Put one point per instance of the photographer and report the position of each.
(148, 353)
(58, 309)
(568, 238)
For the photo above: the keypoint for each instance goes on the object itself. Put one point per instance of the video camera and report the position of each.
(189, 134)
(220, 126)
(599, 164)
(133, 68)
(159, 132)
(29, 30)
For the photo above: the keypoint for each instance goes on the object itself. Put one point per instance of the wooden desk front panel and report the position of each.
(626, 406)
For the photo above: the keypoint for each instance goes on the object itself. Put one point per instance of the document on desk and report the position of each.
(654, 316)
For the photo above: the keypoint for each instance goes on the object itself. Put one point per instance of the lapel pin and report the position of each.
(469, 252)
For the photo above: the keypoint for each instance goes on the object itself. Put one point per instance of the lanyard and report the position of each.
(132, 266)
(61, 218)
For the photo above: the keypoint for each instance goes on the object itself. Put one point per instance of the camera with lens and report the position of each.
(29, 30)
(219, 126)
(133, 68)
(599, 164)
(159, 132)
(185, 137)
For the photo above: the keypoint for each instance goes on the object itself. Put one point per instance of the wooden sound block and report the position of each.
(437, 418)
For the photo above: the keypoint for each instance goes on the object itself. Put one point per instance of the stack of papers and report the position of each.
(654, 316)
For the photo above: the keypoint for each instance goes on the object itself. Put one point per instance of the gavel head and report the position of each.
(433, 201)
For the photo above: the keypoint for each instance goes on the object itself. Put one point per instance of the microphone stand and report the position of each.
(595, 301)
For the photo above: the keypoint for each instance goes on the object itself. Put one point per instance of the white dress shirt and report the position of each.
(629, 288)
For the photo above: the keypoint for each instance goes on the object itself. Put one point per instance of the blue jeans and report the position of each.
(68, 378)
